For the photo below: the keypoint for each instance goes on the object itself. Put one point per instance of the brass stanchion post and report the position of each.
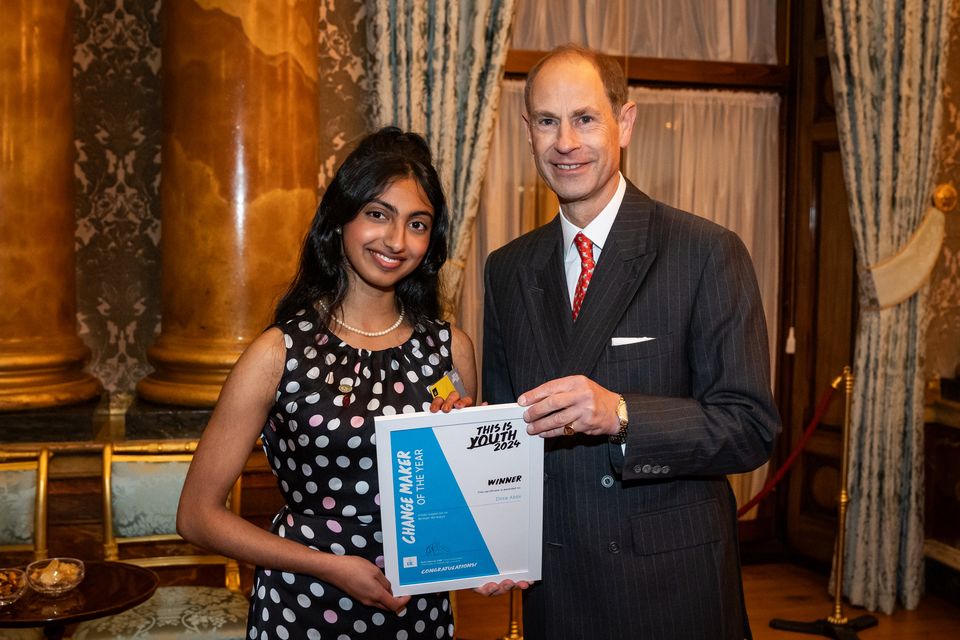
(837, 625)
(516, 603)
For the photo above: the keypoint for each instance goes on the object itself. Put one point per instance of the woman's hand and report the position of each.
(452, 401)
(494, 589)
(364, 582)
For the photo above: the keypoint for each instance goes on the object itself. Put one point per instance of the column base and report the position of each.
(188, 373)
(23, 390)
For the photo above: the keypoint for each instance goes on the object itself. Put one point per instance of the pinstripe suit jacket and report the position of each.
(641, 544)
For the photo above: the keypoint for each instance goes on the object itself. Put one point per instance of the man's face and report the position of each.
(576, 137)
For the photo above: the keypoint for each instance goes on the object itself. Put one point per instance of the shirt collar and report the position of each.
(599, 227)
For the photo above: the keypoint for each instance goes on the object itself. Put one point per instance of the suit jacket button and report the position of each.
(607, 481)
(656, 468)
(646, 468)
(637, 469)
(665, 469)
(613, 547)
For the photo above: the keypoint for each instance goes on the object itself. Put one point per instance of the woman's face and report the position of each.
(389, 237)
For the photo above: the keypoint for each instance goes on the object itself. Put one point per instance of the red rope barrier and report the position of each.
(782, 471)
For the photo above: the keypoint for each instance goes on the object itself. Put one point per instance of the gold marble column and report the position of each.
(239, 181)
(41, 357)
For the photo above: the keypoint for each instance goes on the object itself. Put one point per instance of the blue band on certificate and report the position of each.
(437, 534)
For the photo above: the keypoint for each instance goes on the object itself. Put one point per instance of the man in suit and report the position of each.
(640, 351)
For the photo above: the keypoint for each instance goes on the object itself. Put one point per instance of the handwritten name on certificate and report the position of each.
(461, 498)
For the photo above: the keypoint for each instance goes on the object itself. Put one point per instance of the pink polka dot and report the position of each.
(376, 499)
(398, 387)
(379, 561)
(356, 368)
(334, 526)
(329, 503)
(315, 420)
(289, 519)
(324, 339)
(330, 616)
(356, 422)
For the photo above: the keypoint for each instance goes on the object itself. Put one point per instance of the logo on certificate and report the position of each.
(409, 562)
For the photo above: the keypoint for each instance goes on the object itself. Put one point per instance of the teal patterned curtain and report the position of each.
(437, 66)
(887, 58)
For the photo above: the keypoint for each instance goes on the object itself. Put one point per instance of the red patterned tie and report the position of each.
(585, 249)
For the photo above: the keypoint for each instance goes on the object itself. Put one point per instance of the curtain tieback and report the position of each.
(897, 277)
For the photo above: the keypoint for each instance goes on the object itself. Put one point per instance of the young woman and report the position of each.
(356, 335)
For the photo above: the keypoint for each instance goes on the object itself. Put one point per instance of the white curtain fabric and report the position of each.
(718, 30)
(437, 68)
(887, 58)
(713, 153)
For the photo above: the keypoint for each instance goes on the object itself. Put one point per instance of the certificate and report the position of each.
(461, 498)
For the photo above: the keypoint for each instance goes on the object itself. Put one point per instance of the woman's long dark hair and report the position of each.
(381, 158)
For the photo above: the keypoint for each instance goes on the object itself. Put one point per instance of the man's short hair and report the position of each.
(610, 72)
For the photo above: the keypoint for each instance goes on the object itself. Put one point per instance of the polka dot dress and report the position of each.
(319, 440)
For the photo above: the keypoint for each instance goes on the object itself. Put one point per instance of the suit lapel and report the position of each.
(624, 262)
(543, 288)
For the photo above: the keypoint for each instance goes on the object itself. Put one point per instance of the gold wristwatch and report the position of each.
(621, 436)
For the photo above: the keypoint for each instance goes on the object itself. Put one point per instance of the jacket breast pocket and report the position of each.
(677, 528)
(660, 345)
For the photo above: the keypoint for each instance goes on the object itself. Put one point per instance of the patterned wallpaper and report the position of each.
(943, 333)
(117, 66)
(117, 122)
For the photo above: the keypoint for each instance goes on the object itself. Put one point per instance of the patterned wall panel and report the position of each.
(943, 333)
(117, 67)
(117, 114)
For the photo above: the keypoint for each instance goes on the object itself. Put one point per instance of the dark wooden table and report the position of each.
(108, 588)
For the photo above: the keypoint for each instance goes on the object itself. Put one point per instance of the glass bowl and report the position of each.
(54, 576)
(13, 583)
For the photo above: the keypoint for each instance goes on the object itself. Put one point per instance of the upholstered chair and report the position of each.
(141, 489)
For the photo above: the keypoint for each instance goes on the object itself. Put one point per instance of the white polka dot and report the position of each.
(343, 462)
(275, 596)
(261, 592)
(434, 613)
(311, 487)
(349, 511)
(444, 335)
(282, 445)
(333, 424)
(305, 325)
(365, 519)
(394, 365)
(365, 463)
(303, 601)
(422, 604)
(377, 388)
(297, 496)
(265, 615)
(335, 483)
(291, 407)
(316, 589)
(313, 634)
(313, 398)
(310, 352)
(412, 376)
(408, 409)
(401, 635)
(439, 632)
(303, 440)
(289, 615)
(313, 373)
(358, 541)
(362, 487)
(378, 536)
(291, 463)
(287, 577)
(360, 626)
(322, 441)
(434, 359)
(346, 604)
(378, 619)
(282, 632)
(337, 549)
(373, 405)
(253, 633)
(287, 341)
(330, 358)
(306, 531)
(306, 470)
(426, 370)
(293, 387)
(389, 411)
(321, 461)
(420, 626)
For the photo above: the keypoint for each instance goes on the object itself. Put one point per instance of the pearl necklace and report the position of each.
(369, 334)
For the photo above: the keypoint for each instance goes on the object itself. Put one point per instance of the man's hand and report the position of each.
(575, 402)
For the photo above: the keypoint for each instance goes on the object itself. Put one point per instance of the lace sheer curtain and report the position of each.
(718, 30)
(711, 152)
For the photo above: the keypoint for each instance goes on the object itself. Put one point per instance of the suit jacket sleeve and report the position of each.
(496, 378)
(729, 422)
